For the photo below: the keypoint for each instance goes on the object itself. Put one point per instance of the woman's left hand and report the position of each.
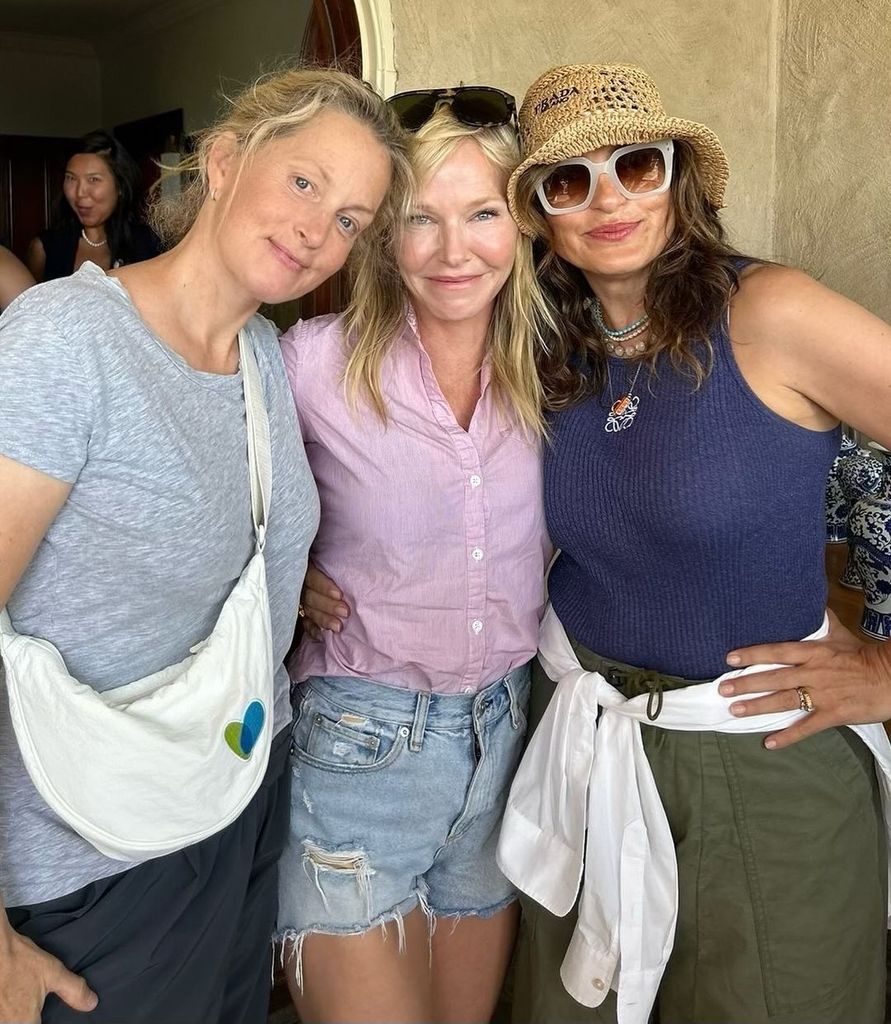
(849, 682)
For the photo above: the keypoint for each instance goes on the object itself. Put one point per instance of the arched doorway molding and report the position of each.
(357, 36)
(378, 45)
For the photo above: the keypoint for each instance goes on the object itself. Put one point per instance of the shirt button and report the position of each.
(477, 554)
(476, 626)
(476, 480)
(468, 689)
(599, 984)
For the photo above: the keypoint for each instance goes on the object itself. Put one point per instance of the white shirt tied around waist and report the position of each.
(579, 775)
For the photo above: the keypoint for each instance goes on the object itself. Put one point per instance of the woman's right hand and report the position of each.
(29, 974)
(322, 603)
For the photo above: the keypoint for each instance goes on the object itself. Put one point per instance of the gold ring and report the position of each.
(301, 611)
(805, 700)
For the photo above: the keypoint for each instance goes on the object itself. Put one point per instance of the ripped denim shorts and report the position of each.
(396, 802)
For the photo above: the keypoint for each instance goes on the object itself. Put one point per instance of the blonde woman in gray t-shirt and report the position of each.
(124, 524)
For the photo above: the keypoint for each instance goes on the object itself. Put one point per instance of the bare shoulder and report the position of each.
(771, 294)
(35, 246)
(29, 501)
(812, 354)
(789, 308)
(14, 278)
(36, 258)
(773, 280)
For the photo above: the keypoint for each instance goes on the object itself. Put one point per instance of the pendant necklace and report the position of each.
(623, 409)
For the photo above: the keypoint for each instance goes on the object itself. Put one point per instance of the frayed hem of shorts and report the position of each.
(291, 940)
(486, 912)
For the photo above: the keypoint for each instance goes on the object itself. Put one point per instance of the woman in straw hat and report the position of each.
(734, 851)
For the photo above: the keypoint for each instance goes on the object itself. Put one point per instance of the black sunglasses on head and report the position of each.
(477, 106)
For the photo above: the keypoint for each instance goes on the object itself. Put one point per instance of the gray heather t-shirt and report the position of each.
(156, 530)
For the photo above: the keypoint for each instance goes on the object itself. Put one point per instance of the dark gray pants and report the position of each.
(183, 939)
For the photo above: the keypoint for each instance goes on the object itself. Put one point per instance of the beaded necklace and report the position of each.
(617, 337)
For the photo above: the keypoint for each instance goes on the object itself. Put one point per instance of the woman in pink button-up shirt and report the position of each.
(420, 413)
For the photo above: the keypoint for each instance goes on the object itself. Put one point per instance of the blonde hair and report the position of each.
(274, 106)
(376, 312)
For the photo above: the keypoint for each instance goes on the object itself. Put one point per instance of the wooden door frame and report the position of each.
(332, 36)
(344, 30)
(356, 36)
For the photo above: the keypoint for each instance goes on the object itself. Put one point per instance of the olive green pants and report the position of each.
(782, 878)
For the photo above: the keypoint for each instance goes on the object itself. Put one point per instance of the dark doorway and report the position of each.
(149, 137)
(332, 36)
(331, 39)
(31, 170)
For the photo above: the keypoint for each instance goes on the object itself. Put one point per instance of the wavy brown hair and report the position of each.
(688, 291)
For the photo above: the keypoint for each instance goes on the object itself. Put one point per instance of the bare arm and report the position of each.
(36, 259)
(14, 277)
(811, 354)
(816, 358)
(29, 501)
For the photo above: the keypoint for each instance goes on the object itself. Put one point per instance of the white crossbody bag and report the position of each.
(166, 761)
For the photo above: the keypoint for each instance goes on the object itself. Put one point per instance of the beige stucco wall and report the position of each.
(798, 90)
(833, 203)
(714, 62)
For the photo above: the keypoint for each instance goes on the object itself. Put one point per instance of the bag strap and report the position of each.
(258, 444)
(259, 453)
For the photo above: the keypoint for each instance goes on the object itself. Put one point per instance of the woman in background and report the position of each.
(97, 217)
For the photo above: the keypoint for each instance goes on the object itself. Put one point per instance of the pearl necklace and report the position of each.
(93, 245)
(618, 337)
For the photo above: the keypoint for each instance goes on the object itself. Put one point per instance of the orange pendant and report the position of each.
(620, 405)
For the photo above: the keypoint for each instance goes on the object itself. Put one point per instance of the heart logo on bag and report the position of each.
(241, 737)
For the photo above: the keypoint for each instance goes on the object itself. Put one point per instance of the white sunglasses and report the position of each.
(634, 171)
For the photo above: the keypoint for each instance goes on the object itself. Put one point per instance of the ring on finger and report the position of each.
(301, 611)
(805, 700)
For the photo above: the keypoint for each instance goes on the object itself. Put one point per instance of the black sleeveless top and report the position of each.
(60, 246)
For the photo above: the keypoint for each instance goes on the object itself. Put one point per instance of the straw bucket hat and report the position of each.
(577, 108)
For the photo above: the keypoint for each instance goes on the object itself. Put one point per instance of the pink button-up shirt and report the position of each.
(435, 535)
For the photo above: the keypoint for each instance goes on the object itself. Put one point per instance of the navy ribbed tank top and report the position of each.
(698, 529)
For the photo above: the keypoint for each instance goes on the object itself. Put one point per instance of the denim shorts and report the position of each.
(396, 801)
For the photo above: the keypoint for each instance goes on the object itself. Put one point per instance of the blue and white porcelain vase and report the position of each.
(870, 526)
(860, 474)
(836, 507)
